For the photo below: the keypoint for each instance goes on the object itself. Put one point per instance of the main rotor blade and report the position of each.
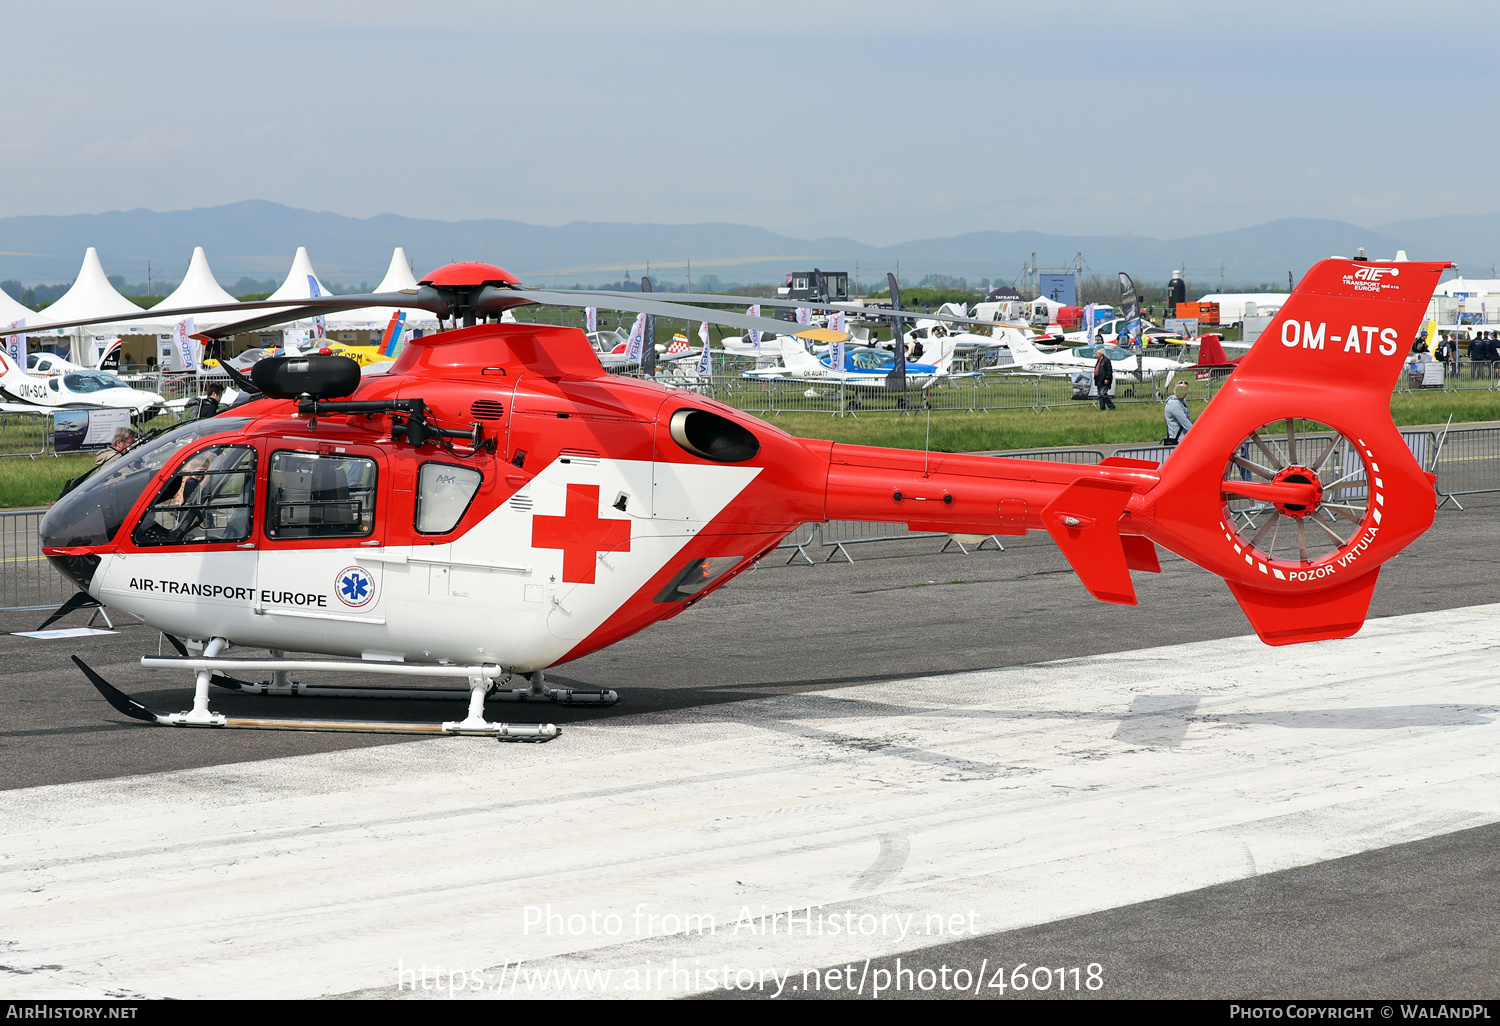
(425, 298)
(632, 301)
(701, 298)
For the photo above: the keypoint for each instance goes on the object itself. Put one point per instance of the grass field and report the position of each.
(25, 481)
(28, 482)
(1057, 427)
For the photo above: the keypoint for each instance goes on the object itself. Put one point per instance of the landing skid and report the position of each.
(208, 669)
(280, 685)
(540, 692)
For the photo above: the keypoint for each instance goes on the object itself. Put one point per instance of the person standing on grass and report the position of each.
(1104, 378)
(1178, 418)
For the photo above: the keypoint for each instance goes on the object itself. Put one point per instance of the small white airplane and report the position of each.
(1128, 366)
(863, 367)
(611, 347)
(46, 364)
(1108, 330)
(769, 348)
(73, 389)
(999, 339)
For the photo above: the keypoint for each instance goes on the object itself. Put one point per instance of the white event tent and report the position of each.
(198, 288)
(91, 295)
(1469, 287)
(1233, 305)
(374, 318)
(11, 311)
(297, 286)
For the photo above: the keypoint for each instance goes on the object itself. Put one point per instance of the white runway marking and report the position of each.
(1019, 796)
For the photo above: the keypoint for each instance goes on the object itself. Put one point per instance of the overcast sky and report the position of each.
(880, 121)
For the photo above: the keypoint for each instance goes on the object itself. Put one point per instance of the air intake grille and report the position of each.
(487, 409)
(585, 457)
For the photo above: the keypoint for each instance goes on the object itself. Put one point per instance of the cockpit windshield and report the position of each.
(91, 381)
(91, 513)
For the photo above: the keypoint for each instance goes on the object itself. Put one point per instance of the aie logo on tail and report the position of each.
(1368, 278)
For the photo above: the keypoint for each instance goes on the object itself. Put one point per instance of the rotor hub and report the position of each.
(470, 274)
(1298, 475)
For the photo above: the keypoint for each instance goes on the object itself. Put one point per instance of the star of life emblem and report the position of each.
(354, 586)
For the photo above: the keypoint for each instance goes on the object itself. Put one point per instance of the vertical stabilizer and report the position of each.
(1295, 485)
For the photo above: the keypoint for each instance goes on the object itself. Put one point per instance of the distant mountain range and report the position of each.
(258, 238)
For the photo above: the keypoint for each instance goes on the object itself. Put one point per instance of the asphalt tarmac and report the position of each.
(1410, 920)
(900, 610)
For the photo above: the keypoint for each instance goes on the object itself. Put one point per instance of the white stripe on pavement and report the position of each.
(986, 801)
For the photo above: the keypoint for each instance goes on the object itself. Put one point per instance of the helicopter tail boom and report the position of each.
(1080, 506)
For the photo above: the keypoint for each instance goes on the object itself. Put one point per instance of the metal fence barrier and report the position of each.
(28, 580)
(31, 434)
(988, 391)
(838, 535)
(1471, 375)
(799, 541)
(1091, 457)
(25, 434)
(1467, 462)
(1157, 454)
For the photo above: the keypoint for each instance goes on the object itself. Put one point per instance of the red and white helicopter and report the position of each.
(496, 504)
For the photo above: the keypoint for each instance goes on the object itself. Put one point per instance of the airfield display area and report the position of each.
(936, 767)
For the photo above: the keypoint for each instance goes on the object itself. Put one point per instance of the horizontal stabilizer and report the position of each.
(1126, 461)
(1085, 522)
(1285, 619)
(1140, 553)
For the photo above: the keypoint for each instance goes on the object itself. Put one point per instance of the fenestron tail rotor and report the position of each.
(1296, 494)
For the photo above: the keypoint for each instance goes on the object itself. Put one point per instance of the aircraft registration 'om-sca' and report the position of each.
(497, 504)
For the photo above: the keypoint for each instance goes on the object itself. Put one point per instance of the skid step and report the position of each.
(296, 689)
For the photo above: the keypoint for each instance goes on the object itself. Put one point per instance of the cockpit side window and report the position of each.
(208, 499)
(91, 513)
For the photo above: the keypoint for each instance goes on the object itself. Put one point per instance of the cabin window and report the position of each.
(695, 577)
(310, 495)
(209, 498)
(444, 492)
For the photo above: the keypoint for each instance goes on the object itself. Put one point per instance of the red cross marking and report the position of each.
(580, 534)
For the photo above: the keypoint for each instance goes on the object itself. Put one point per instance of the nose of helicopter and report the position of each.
(77, 567)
